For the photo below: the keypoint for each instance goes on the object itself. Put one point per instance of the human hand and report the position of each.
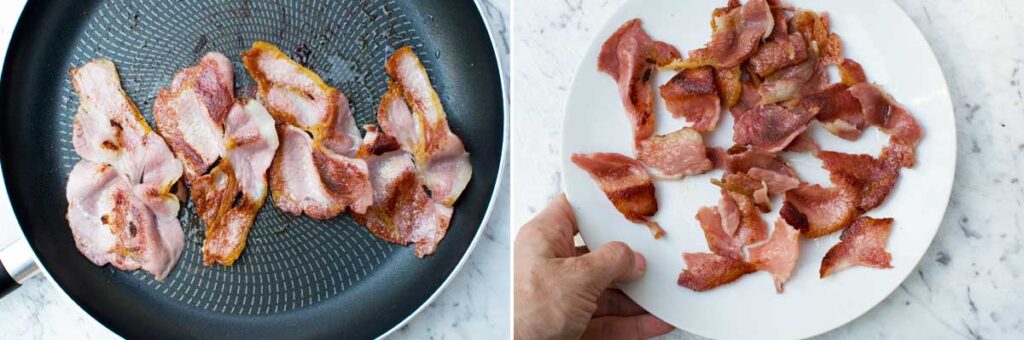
(564, 292)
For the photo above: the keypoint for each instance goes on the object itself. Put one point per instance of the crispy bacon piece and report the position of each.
(629, 56)
(228, 198)
(752, 228)
(720, 240)
(874, 177)
(120, 206)
(440, 156)
(862, 243)
(803, 143)
(678, 154)
(706, 271)
(402, 212)
(838, 110)
(795, 81)
(307, 178)
(738, 32)
(626, 183)
(816, 28)
(771, 128)
(778, 53)
(817, 211)
(190, 114)
(749, 98)
(882, 111)
(742, 160)
(729, 84)
(693, 94)
(851, 73)
(778, 254)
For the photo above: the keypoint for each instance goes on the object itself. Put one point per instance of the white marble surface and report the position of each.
(969, 283)
(474, 304)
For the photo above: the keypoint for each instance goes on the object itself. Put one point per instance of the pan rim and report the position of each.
(5, 200)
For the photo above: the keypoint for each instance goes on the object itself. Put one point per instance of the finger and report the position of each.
(550, 233)
(642, 326)
(611, 263)
(614, 302)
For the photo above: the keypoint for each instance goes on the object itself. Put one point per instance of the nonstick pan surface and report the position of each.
(297, 278)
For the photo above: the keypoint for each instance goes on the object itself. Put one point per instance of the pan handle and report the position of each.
(16, 266)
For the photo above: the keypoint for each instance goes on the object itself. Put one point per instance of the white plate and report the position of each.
(894, 54)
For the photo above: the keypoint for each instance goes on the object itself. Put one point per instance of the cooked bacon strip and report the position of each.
(729, 84)
(626, 183)
(720, 240)
(777, 255)
(771, 128)
(882, 111)
(376, 143)
(307, 178)
(629, 56)
(861, 244)
(228, 198)
(402, 212)
(120, 206)
(190, 114)
(738, 32)
(817, 211)
(875, 177)
(706, 271)
(292, 93)
(749, 98)
(112, 223)
(776, 182)
(838, 110)
(440, 156)
(693, 94)
(744, 184)
(778, 53)
(678, 154)
(795, 81)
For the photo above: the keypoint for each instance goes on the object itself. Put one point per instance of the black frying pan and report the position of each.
(298, 278)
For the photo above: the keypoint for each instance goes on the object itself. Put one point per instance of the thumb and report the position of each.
(611, 263)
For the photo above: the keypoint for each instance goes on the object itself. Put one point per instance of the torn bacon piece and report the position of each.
(778, 53)
(693, 94)
(851, 73)
(678, 154)
(862, 243)
(742, 160)
(838, 110)
(815, 27)
(292, 93)
(730, 85)
(402, 212)
(120, 206)
(795, 81)
(771, 128)
(441, 158)
(777, 255)
(190, 114)
(818, 211)
(719, 239)
(803, 143)
(882, 111)
(626, 183)
(875, 177)
(706, 271)
(307, 178)
(629, 56)
(228, 198)
(739, 31)
(752, 228)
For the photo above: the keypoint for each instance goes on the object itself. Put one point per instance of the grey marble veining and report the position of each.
(474, 304)
(969, 284)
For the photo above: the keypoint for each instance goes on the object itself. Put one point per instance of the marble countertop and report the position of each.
(969, 283)
(467, 308)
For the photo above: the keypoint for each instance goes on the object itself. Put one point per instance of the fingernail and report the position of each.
(639, 262)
